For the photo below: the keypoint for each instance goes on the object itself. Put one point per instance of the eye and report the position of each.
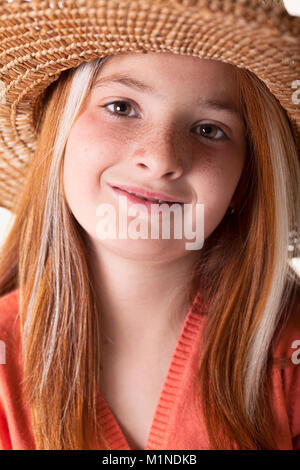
(212, 132)
(120, 106)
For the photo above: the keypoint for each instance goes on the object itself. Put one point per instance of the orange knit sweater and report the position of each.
(176, 423)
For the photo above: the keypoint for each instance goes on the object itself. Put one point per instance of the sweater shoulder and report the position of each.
(9, 304)
(287, 338)
(286, 363)
(9, 319)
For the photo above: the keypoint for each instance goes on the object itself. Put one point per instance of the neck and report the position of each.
(142, 299)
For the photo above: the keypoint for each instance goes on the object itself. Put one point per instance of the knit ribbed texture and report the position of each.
(39, 39)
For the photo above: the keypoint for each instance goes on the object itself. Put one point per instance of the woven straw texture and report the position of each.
(39, 39)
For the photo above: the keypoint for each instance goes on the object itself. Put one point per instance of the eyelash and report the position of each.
(118, 116)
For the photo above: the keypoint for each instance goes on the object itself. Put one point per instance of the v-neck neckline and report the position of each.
(170, 392)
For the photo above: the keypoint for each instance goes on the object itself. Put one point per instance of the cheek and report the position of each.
(89, 150)
(215, 179)
(81, 168)
(83, 144)
(217, 174)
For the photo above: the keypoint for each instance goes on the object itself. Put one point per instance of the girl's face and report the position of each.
(175, 129)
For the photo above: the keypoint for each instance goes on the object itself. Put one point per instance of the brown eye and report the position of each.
(119, 107)
(211, 131)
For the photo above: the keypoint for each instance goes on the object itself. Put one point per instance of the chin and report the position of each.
(144, 250)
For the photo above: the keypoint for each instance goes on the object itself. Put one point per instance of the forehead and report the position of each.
(182, 73)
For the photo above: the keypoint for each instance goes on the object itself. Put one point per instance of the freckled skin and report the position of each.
(160, 148)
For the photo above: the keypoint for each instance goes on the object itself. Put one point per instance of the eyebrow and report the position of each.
(130, 82)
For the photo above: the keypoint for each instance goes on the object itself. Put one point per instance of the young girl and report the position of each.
(141, 343)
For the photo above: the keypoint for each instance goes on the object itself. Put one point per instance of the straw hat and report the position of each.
(39, 39)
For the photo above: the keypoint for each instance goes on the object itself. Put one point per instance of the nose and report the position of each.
(161, 158)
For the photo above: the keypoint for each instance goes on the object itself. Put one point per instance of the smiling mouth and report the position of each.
(149, 199)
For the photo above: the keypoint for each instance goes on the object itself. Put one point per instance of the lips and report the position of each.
(143, 194)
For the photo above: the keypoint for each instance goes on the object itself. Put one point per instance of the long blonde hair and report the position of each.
(244, 268)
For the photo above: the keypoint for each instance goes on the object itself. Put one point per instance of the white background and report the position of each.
(292, 6)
